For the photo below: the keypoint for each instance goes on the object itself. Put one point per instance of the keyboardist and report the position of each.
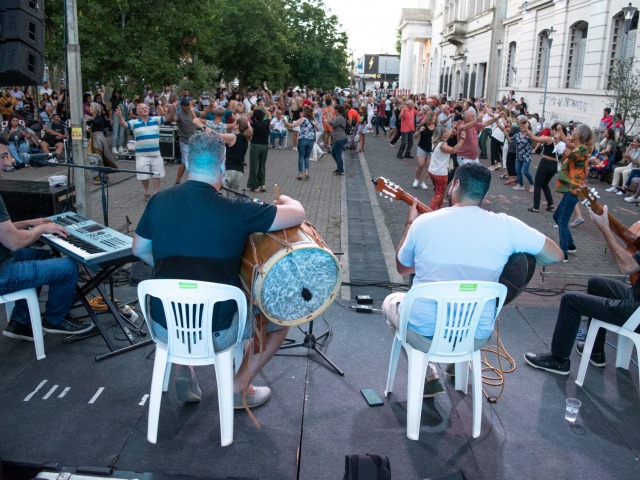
(22, 267)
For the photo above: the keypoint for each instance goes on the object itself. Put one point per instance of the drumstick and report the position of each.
(276, 190)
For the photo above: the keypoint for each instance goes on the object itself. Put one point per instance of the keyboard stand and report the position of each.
(105, 273)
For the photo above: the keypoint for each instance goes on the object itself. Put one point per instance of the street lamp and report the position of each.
(628, 13)
(546, 70)
(499, 48)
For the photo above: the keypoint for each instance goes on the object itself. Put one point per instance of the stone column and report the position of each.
(403, 62)
(407, 82)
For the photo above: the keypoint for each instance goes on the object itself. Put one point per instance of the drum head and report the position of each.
(300, 286)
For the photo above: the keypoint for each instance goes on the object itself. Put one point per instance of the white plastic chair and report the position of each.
(627, 338)
(188, 307)
(31, 296)
(459, 307)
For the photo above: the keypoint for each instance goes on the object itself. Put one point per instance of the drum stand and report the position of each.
(311, 341)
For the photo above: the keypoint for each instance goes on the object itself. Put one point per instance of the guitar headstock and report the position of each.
(388, 189)
(589, 198)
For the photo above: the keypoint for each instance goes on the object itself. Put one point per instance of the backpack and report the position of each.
(348, 126)
(367, 467)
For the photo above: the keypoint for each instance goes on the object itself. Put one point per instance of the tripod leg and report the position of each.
(326, 359)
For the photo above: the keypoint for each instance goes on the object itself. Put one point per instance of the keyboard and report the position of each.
(89, 242)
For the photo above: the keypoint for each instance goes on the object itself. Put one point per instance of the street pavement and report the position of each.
(324, 198)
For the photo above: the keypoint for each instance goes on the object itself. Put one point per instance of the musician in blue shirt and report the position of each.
(191, 231)
(22, 268)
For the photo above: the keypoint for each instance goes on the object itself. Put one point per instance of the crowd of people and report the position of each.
(215, 132)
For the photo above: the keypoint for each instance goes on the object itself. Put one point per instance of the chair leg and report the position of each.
(224, 380)
(155, 396)
(167, 375)
(418, 362)
(625, 349)
(36, 323)
(462, 377)
(239, 351)
(393, 365)
(477, 393)
(586, 352)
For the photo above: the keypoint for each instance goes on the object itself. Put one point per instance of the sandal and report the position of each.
(263, 188)
(504, 175)
(300, 177)
(306, 176)
(534, 210)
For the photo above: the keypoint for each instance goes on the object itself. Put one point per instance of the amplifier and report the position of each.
(168, 143)
(26, 199)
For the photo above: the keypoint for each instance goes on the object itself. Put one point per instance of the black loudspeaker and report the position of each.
(25, 199)
(21, 42)
(167, 143)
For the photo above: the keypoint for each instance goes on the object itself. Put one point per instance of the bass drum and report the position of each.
(292, 273)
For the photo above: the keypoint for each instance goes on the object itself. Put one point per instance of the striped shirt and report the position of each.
(147, 136)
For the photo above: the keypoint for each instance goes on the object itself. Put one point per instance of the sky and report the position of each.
(370, 24)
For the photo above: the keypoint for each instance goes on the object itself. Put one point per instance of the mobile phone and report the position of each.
(371, 397)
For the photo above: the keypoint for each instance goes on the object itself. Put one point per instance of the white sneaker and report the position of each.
(295, 149)
(424, 186)
(416, 183)
(621, 192)
(632, 200)
(114, 150)
(578, 221)
(519, 187)
(122, 150)
(612, 190)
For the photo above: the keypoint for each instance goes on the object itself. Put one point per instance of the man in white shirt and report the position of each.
(278, 130)
(19, 96)
(497, 142)
(425, 250)
(249, 101)
(45, 88)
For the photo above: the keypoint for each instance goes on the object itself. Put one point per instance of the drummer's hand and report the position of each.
(413, 211)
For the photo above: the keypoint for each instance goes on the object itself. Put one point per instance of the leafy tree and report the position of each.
(624, 96)
(318, 53)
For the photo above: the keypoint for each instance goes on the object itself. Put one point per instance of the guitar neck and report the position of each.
(618, 228)
(408, 199)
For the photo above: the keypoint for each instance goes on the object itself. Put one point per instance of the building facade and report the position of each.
(486, 48)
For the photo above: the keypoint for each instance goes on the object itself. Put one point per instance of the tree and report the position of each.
(625, 95)
(318, 54)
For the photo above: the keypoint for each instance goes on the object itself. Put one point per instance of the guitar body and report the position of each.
(516, 273)
(632, 249)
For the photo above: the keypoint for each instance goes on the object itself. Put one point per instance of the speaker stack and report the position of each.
(21, 42)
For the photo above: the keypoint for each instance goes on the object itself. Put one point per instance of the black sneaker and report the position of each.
(19, 330)
(69, 326)
(597, 358)
(572, 249)
(548, 362)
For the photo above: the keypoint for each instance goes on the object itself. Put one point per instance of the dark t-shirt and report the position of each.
(425, 139)
(235, 154)
(58, 128)
(199, 234)
(5, 253)
(261, 132)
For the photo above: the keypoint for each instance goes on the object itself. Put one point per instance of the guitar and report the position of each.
(516, 273)
(630, 236)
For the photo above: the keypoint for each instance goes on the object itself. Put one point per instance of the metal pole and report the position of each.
(74, 84)
(619, 68)
(498, 77)
(546, 78)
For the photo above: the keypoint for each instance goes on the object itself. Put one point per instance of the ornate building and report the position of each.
(485, 48)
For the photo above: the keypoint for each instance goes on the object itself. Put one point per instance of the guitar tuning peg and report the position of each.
(390, 199)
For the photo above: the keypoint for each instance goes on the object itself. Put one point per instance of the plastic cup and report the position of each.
(571, 412)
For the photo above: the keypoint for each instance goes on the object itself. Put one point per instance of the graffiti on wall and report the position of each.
(565, 102)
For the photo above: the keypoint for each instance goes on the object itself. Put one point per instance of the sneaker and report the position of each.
(21, 331)
(612, 190)
(566, 258)
(295, 149)
(121, 150)
(432, 388)
(272, 146)
(69, 326)
(621, 192)
(519, 187)
(260, 395)
(279, 147)
(548, 362)
(114, 150)
(415, 183)
(187, 387)
(531, 189)
(424, 186)
(338, 172)
(577, 222)
(572, 249)
(408, 156)
(632, 200)
(9, 169)
(597, 358)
